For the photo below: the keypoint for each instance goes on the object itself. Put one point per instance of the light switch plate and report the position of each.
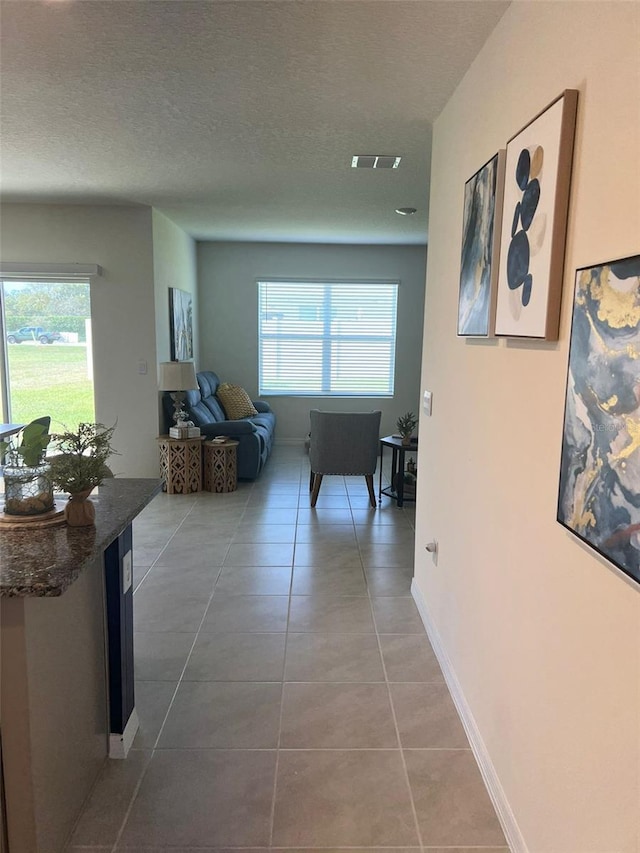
(426, 403)
(126, 572)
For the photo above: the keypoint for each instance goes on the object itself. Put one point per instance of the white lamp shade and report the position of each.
(177, 376)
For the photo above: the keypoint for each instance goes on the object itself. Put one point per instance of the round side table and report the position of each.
(181, 464)
(220, 466)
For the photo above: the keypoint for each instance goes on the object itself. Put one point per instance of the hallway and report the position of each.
(287, 692)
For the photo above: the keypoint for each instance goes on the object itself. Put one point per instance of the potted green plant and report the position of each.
(406, 424)
(80, 464)
(28, 489)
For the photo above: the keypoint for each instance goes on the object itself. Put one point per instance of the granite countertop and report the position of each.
(45, 562)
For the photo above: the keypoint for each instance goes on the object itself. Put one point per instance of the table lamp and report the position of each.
(178, 377)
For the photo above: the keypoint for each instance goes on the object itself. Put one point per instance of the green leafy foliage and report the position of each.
(80, 462)
(38, 300)
(28, 447)
(406, 424)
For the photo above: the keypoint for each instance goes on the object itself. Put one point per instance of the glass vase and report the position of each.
(28, 490)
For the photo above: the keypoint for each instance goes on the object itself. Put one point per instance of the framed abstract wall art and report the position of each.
(181, 324)
(480, 248)
(599, 497)
(534, 222)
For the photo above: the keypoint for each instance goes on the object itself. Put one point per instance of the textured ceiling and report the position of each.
(237, 120)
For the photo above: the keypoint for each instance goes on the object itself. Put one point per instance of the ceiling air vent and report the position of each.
(375, 161)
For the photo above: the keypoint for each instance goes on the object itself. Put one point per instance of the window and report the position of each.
(319, 339)
(45, 349)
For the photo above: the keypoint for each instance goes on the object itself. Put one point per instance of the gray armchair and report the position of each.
(343, 443)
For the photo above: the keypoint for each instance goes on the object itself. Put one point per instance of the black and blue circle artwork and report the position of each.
(527, 177)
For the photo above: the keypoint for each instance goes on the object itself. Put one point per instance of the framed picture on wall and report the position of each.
(180, 324)
(534, 222)
(480, 249)
(599, 497)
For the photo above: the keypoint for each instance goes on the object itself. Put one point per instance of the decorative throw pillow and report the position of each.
(235, 401)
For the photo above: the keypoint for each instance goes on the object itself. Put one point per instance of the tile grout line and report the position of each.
(284, 664)
(305, 748)
(395, 724)
(280, 715)
(155, 746)
(401, 751)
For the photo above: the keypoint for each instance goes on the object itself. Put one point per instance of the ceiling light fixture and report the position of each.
(406, 211)
(375, 161)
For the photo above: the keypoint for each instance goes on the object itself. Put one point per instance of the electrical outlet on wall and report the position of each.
(427, 398)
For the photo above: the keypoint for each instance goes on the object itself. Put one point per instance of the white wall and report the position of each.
(227, 274)
(119, 239)
(174, 265)
(542, 635)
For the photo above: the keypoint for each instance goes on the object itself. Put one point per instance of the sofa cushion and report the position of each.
(215, 408)
(266, 420)
(200, 414)
(235, 401)
(208, 382)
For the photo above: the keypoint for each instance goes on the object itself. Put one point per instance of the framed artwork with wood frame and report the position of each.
(480, 249)
(534, 222)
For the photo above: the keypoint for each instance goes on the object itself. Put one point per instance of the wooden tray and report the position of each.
(46, 519)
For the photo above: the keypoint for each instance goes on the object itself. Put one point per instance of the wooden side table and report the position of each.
(181, 464)
(220, 466)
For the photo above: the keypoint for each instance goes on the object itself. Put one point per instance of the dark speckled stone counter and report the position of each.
(46, 562)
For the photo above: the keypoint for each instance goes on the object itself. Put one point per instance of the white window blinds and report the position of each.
(327, 339)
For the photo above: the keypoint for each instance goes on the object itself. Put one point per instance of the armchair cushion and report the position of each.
(344, 442)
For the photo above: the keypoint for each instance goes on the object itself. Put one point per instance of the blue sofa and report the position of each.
(254, 434)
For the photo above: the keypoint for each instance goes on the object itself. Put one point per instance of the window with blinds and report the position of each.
(327, 339)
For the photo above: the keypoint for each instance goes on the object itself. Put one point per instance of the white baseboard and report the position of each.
(507, 819)
(119, 745)
(282, 441)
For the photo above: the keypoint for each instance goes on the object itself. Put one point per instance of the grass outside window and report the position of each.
(50, 380)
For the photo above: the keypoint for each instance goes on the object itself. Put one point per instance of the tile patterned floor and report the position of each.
(288, 695)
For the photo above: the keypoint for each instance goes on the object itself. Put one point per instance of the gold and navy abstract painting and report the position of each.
(599, 497)
(479, 261)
